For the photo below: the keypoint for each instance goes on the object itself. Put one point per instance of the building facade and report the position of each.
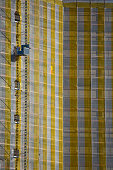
(87, 85)
(35, 141)
(56, 91)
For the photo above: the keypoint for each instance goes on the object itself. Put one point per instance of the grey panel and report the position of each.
(94, 87)
(66, 86)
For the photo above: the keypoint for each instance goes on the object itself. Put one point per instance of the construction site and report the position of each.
(56, 84)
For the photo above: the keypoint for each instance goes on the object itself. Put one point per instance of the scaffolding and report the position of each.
(38, 85)
(17, 86)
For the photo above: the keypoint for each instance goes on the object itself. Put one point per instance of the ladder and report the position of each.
(26, 89)
(17, 92)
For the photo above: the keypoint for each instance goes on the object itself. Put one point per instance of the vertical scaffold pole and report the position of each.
(26, 62)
